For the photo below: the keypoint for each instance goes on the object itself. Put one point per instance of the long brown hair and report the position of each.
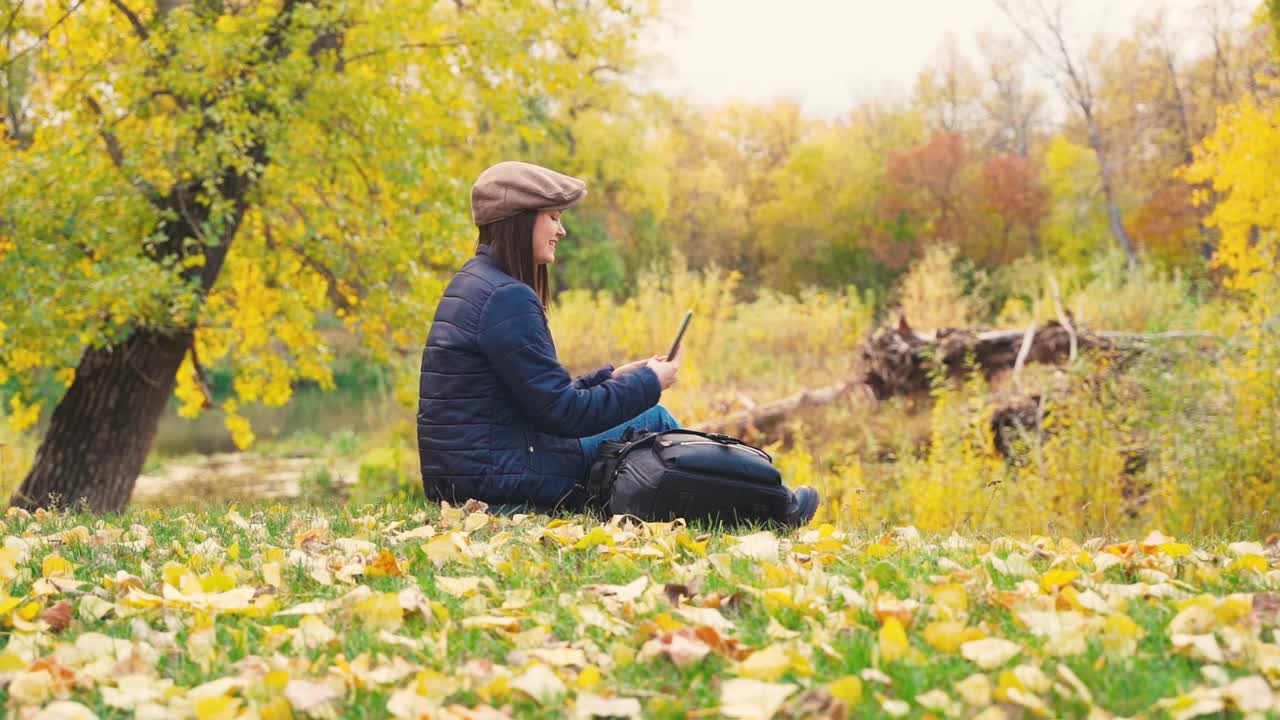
(512, 243)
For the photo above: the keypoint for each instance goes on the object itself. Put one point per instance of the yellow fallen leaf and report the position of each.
(975, 690)
(990, 653)
(30, 610)
(948, 635)
(31, 688)
(847, 689)
(1250, 562)
(767, 664)
(1056, 578)
(276, 709)
(688, 543)
(216, 707)
(55, 566)
(1175, 550)
(952, 596)
(7, 603)
(880, 550)
(444, 548)
(1195, 619)
(381, 611)
(10, 662)
(893, 640)
(597, 536)
(588, 678)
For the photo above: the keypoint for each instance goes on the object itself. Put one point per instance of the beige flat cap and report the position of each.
(510, 187)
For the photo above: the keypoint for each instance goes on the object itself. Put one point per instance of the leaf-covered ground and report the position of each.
(278, 612)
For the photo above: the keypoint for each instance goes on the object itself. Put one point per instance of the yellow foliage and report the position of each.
(932, 295)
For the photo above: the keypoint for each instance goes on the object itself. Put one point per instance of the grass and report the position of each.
(806, 615)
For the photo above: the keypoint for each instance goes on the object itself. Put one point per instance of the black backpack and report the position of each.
(686, 474)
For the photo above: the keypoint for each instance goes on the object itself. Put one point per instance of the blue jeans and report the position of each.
(655, 419)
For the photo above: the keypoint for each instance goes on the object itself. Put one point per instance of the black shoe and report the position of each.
(801, 508)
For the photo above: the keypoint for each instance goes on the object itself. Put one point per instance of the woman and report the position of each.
(499, 419)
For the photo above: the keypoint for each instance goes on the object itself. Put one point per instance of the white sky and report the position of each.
(830, 54)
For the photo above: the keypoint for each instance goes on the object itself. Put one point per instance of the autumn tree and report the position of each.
(822, 222)
(932, 181)
(1043, 26)
(198, 182)
(1013, 111)
(1017, 202)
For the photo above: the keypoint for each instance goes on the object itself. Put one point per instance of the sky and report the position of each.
(830, 54)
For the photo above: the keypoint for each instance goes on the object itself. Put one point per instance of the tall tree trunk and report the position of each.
(103, 428)
(1108, 192)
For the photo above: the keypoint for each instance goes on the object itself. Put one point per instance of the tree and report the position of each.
(197, 182)
(1041, 24)
(932, 181)
(1011, 191)
(1012, 110)
(823, 222)
(947, 93)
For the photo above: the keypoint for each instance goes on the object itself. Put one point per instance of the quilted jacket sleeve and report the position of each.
(590, 380)
(514, 337)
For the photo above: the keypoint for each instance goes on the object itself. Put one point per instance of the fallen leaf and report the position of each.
(710, 617)
(893, 640)
(588, 706)
(64, 710)
(682, 646)
(458, 587)
(58, 616)
(975, 690)
(492, 622)
(767, 664)
(540, 683)
(746, 699)
(31, 688)
(1249, 694)
(990, 653)
(305, 696)
(762, 546)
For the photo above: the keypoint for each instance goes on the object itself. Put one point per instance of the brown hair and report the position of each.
(512, 243)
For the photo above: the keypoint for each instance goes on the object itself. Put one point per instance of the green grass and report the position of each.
(836, 636)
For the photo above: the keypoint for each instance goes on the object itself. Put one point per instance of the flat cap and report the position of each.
(510, 187)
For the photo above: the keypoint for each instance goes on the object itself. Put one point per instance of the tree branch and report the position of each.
(43, 36)
(407, 46)
(138, 28)
(117, 155)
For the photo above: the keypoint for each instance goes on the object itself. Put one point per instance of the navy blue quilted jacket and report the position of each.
(498, 417)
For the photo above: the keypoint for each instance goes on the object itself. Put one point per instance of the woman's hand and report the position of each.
(631, 366)
(666, 370)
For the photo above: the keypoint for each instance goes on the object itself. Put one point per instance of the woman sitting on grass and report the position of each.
(499, 419)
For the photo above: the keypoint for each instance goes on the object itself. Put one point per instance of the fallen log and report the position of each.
(896, 361)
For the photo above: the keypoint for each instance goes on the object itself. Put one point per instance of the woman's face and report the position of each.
(547, 231)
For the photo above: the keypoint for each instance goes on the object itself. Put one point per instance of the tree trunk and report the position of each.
(102, 429)
(1113, 209)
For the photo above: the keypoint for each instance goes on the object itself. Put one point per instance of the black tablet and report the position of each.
(675, 346)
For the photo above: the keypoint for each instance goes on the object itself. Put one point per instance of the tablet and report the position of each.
(675, 346)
